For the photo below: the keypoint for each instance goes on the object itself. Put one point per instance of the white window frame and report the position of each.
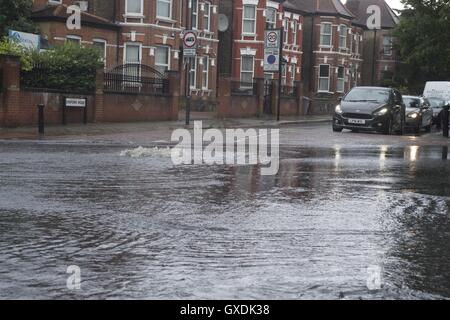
(193, 70)
(207, 16)
(195, 14)
(105, 53)
(343, 36)
(170, 2)
(273, 24)
(246, 71)
(295, 32)
(135, 14)
(322, 34)
(286, 30)
(76, 38)
(390, 52)
(320, 78)
(169, 52)
(254, 20)
(205, 73)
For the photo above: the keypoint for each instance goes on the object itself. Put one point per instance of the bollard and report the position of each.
(41, 118)
(445, 121)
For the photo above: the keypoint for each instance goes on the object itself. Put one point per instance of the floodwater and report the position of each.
(139, 227)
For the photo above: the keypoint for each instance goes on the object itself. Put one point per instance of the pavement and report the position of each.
(93, 129)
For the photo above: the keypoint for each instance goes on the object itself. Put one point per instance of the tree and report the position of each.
(423, 42)
(16, 15)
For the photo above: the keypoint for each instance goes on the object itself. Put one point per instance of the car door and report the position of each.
(427, 113)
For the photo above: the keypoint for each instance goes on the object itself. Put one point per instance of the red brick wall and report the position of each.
(26, 113)
(130, 108)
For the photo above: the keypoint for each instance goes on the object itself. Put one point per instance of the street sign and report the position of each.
(28, 40)
(271, 60)
(272, 39)
(76, 103)
(190, 44)
(272, 44)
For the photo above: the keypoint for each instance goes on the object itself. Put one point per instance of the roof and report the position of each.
(319, 7)
(389, 18)
(59, 13)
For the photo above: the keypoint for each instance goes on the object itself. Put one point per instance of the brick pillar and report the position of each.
(99, 99)
(223, 97)
(11, 90)
(174, 89)
(260, 95)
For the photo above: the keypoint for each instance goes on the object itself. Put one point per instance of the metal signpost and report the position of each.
(273, 52)
(190, 44)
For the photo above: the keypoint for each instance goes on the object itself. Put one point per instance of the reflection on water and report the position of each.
(142, 228)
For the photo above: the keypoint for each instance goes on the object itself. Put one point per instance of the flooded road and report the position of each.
(140, 227)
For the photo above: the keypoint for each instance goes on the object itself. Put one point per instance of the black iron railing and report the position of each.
(136, 79)
(239, 88)
(288, 92)
(118, 83)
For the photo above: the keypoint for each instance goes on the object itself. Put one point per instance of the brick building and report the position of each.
(380, 59)
(140, 31)
(249, 20)
(332, 48)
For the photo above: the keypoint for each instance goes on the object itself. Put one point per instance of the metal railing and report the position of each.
(239, 88)
(136, 79)
(289, 92)
(120, 83)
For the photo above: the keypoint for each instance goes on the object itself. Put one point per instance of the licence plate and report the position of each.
(356, 121)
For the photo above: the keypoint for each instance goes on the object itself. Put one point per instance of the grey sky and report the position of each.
(394, 4)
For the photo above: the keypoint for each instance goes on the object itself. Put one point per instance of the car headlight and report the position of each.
(413, 115)
(381, 112)
(338, 109)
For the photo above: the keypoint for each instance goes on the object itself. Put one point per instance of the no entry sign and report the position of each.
(190, 44)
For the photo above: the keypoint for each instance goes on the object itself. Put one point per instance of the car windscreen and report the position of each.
(368, 95)
(436, 103)
(411, 102)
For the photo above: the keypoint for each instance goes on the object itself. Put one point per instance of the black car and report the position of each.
(371, 109)
(437, 104)
(419, 114)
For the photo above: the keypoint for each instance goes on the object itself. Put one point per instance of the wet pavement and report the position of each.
(140, 227)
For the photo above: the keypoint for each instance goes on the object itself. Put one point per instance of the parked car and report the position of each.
(419, 114)
(438, 92)
(437, 105)
(371, 109)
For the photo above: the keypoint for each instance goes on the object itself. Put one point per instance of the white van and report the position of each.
(437, 89)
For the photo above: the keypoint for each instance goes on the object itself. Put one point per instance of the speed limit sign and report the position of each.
(272, 39)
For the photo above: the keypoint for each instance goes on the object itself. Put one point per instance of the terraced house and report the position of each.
(147, 32)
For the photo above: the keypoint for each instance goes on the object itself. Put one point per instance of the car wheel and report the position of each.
(337, 129)
(428, 128)
(388, 129)
(398, 125)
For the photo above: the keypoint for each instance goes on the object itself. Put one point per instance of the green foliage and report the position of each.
(423, 42)
(16, 15)
(9, 47)
(68, 68)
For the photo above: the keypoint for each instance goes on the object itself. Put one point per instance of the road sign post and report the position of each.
(190, 44)
(273, 52)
